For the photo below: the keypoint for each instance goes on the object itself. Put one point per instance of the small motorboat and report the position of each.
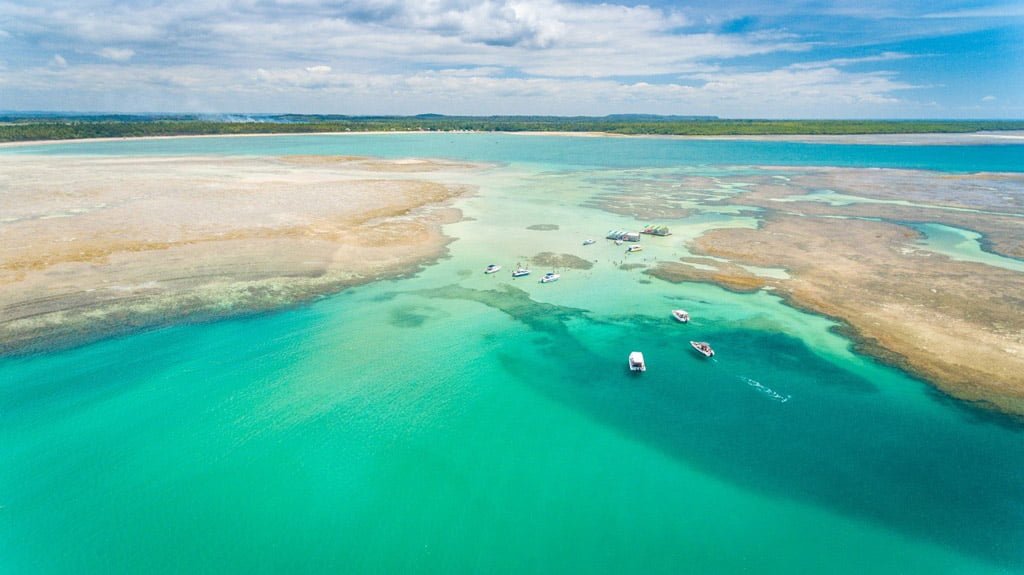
(703, 348)
(681, 315)
(632, 249)
(588, 242)
(618, 242)
(549, 277)
(492, 268)
(636, 361)
(520, 271)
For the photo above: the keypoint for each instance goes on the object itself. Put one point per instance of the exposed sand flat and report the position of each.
(667, 198)
(921, 139)
(992, 204)
(958, 324)
(179, 136)
(560, 261)
(96, 246)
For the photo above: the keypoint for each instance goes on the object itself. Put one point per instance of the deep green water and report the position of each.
(456, 422)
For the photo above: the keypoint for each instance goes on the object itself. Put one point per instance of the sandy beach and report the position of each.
(924, 139)
(92, 247)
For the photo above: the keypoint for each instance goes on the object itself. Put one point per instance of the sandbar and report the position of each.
(858, 259)
(1008, 137)
(95, 246)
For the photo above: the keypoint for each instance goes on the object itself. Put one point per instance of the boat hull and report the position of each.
(636, 362)
(702, 348)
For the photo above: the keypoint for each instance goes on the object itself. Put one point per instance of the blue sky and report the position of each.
(746, 59)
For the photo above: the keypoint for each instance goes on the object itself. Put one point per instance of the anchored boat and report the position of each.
(549, 277)
(520, 271)
(632, 249)
(703, 348)
(636, 361)
(490, 269)
(681, 315)
(624, 236)
(656, 230)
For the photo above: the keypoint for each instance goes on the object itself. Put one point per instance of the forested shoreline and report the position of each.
(22, 128)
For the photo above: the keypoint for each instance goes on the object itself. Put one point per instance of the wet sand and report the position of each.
(93, 247)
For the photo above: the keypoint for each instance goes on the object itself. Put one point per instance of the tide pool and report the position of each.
(462, 422)
(963, 245)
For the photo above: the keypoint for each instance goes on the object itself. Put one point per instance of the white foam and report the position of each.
(767, 391)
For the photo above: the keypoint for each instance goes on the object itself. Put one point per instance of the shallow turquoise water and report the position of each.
(963, 245)
(572, 151)
(456, 422)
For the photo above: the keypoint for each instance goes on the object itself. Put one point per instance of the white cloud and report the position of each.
(825, 92)
(836, 62)
(472, 72)
(1015, 10)
(310, 78)
(59, 61)
(541, 37)
(529, 23)
(116, 54)
(408, 56)
(827, 89)
(989, 99)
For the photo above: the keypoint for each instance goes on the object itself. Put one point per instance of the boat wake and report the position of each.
(767, 391)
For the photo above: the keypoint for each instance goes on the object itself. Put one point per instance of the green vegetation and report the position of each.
(19, 128)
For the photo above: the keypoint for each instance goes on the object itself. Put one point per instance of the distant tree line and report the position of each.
(19, 128)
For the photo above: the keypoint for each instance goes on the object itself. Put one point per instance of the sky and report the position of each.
(733, 59)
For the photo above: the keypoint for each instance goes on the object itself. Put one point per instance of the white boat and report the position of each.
(703, 348)
(681, 315)
(549, 277)
(632, 249)
(618, 242)
(620, 235)
(520, 271)
(490, 269)
(636, 361)
(656, 230)
(588, 242)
